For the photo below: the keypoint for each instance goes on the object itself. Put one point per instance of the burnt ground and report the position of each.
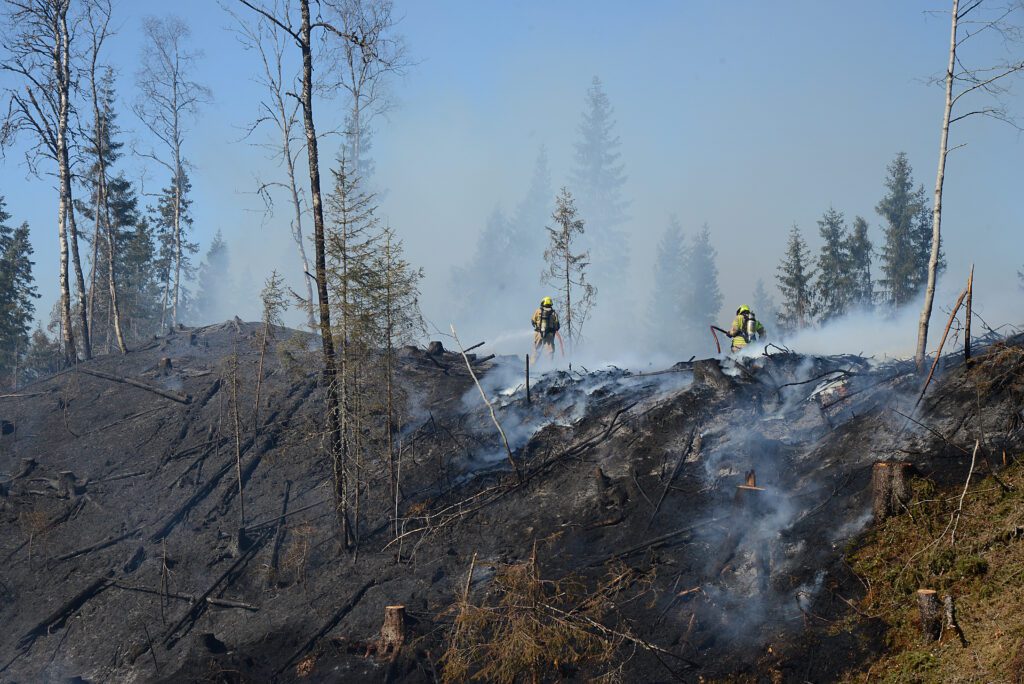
(727, 493)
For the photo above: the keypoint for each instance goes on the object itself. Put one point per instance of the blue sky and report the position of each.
(746, 115)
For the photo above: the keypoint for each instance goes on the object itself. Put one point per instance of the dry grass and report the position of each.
(530, 629)
(296, 556)
(983, 570)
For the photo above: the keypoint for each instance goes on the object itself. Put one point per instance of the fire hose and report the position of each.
(724, 332)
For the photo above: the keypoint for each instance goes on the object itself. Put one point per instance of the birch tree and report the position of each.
(98, 18)
(39, 41)
(968, 21)
(168, 100)
(281, 112)
(361, 68)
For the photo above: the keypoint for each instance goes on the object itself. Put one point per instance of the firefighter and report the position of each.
(745, 329)
(545, 328)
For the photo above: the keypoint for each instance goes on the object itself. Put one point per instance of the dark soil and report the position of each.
(106, 572)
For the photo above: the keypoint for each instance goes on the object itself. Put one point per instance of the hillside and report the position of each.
(700, 521)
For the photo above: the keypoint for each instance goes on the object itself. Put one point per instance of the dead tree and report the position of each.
(890, 492)
(973, 20)
(168, 97)
(39, 43)
(280, 19)
(567, 271)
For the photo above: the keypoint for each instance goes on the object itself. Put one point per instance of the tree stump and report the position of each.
(435, 348)
(164, 365)
(930, 609)
(890, 492)
(67, 484)
(392, 633)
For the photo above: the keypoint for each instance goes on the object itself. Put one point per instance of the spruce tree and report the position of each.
(666, 328)
(17, 292)
(795, 277)
(598, 178)
(566, 268)
(832, 287)
(174, 264)
(859, 251)
(765, 308)
(214, 287)
(907, 229)
(702, 299)
(139, 281)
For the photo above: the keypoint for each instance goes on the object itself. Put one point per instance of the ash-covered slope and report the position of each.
(724, 493)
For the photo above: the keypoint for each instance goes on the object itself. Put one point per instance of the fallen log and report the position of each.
(193, 613)
(99, 545)
(167, 394)
(57, 618)
(220, 602)
(338, 616)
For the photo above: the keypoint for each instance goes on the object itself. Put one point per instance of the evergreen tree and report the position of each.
(702, 299)
(168, 255)
(599, 177)
(907, 231)
(765, 308)
(795, 277)
(858, 251)
(566, 268)
(832, 287)
(42, 357)
(666, 328)
(139, 281)
(489, 276)
(214, 288)
(398, 322)
(17, 292)
(527, 237)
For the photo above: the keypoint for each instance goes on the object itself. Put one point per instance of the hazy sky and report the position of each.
(749, 116)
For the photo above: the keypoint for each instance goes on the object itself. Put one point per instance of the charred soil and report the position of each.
(703, 521)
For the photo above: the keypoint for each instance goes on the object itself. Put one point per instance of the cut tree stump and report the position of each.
(890, 492)
(392, 633)
(930, 609)
(435, 348)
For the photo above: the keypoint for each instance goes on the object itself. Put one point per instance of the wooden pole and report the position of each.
(528, 379)
(967, 324)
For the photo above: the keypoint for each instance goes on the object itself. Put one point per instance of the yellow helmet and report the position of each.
(546, 301)
(742, 310)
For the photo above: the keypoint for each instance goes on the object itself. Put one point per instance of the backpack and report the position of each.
(549, 324)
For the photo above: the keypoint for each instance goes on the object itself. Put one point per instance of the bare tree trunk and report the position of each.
(933, 260)
(69, 231)
(67, 330)
(297, 226)
(76, 261)
(95, 259)
(330, 368)
(177, 238)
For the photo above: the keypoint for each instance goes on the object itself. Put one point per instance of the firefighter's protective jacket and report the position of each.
(738, 331)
